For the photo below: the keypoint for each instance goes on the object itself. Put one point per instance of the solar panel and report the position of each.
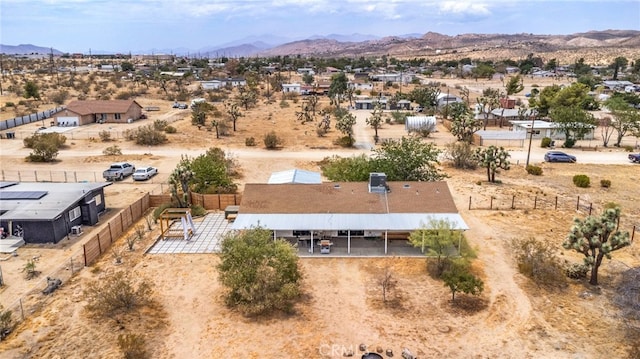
(14, 195)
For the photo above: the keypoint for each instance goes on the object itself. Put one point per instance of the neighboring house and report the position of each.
(544, 129)
(370, 103)
(306, 71)
(391, 77)
(80, 113)
(216, 84)
(347, 211)
(361, 85)
(48, 212)
(444, 99)
(543, 73)
(291, 88)
(211, 85)
(613, 85)
(234, 82)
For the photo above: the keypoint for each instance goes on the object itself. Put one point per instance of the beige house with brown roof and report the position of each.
(342, 211)
(78, 113)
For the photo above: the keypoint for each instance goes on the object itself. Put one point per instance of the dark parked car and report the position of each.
(634, 157)
(557, 156)
(181, 106)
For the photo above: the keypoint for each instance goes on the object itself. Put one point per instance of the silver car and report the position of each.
(144, 173)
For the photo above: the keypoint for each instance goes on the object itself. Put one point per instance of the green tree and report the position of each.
(307, 78)
(493, 159)
(211, 173)
(261, 274)
(488, 102)
(459, 279)
(438, 237)
(407, 159)
(483, 70)
(375, 121)
(347, 169)
(580, 68)
(345, 124)
(573, 121)
(627, 118)
(199, 113)
(595, 238)
(544, 101)
(551, 65)
(338, 87)
(575, 95)
(127, 66)
(619, 63)
(246, 98)
(514, 85)
(463, 123)
(31, 89)
(45, 146)
(179, 181)
(234, 113)
(425, 96)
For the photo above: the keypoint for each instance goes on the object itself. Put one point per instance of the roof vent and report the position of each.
(336, 186)
(406, 185)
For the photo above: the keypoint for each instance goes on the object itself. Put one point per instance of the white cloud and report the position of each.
(464, 8)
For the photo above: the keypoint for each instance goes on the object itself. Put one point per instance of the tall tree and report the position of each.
(31, 89)
(179, 181)
(573, 121)
(261, 275)
(619, 63)
(438, 237)
(345, 124)
(493, 159)
(514, 85)
(459, 279)
(463, 123)
(626, 118)
(488, 102)
(408, 159)
(338, 87)
(595, 238)
(375, 120)
(233, 112)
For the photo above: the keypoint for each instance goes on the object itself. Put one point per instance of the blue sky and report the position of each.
(142, 25)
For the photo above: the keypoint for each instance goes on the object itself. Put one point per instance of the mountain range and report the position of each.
(410, 45)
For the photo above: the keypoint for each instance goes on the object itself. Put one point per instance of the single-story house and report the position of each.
(291, 88)
(83, 112)
(444, 99)
(346, 211)
(361, 85)
(541, 129)
(370, 103)
(47, 212)
(306, 71)
(211, 85)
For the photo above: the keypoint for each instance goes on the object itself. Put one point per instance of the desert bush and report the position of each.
(545, 142)
(170, 129)
(112, 151)
(116, 294)
(105, 136)
(250, 141)
(9, 104)
(124, 95)
(581, 181)
(399, 117)
(272, 141)
(568, 143)
(59, 97)
(605, 183)
(284, 104)
(6, 322)
(158, 211)
(55, 139)
(132, 346)
(576, 270)
(425, 130)
(149, 136)
(345, 141)
(460, 155)
(538, 261)
(160, 125)
(198, 211)
(534, 170)
(628, 148)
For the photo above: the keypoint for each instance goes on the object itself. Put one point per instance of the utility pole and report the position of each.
(533, 114)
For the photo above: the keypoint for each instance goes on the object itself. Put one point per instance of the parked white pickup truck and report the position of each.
(118, 171)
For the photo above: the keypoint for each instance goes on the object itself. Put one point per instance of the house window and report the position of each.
(98, 199)
(353, 233)
(301, 233)
(117, 116)
(74, 214)
(103, 116)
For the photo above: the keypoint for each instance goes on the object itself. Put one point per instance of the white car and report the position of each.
(144, 173)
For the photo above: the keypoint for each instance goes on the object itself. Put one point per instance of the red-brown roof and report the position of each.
(88, 107)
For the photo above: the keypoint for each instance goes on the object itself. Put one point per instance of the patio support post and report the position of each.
(385, 242)
(274, 234)
(349, 242)
(312, 242)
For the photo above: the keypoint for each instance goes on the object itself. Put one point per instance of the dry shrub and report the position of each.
(538, 261)
(132, 346)
(116, 295)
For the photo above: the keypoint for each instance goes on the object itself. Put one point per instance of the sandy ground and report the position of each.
(342, 305)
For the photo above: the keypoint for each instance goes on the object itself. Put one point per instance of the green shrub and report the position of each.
(546, 142)
(6, 322)
(568, 143)
(250, 141)
(534, 170)
(581, 181)
(537, 260)
(170, 129)
(576, 270)
(160, 125)
(628, 148)
(271, 140)
(605, 183)
(158, 211)
(198, 210)
(112, 151)
(345, 141)
(9, 104)
(149, 136)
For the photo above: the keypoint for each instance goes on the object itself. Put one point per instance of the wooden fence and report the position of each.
(113, 229)
(207, 201)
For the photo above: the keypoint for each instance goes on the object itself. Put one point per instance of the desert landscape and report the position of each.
(341, 307)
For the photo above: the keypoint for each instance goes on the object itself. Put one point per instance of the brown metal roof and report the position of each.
(88, 107)
(347, 197)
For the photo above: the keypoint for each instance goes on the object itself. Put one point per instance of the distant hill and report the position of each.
(27, 49)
